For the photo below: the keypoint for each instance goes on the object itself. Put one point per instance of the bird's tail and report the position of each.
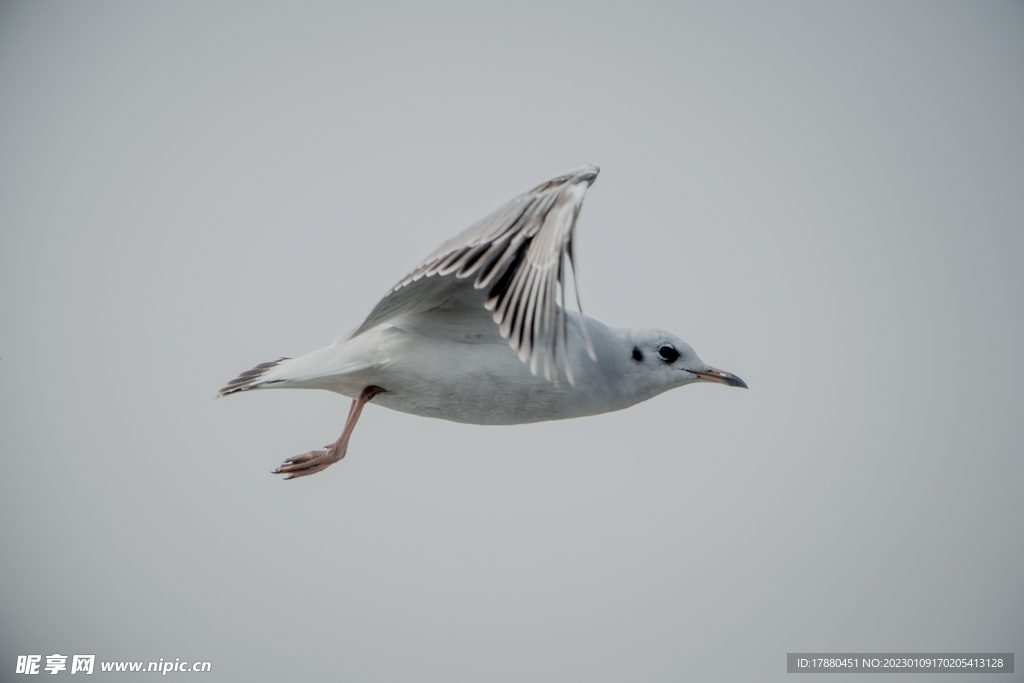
(252, 379)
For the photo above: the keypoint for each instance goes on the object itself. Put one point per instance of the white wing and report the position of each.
(518, 254)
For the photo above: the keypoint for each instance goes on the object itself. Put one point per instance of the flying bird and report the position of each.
(479, 332)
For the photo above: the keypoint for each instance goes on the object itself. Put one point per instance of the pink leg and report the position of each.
(314, 461)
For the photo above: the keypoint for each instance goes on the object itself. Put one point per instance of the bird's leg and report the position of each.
(314, 461)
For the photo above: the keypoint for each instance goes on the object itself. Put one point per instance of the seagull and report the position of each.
(479, 333)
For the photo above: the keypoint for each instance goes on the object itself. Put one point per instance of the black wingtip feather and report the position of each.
(250, 378)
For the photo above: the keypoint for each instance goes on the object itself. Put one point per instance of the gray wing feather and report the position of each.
(518, 253)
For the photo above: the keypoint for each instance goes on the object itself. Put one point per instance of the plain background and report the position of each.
(825, 198)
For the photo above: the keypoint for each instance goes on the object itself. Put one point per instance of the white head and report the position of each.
(661, 361)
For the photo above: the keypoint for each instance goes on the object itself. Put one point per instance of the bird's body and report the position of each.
(475, 335)
(484, 382)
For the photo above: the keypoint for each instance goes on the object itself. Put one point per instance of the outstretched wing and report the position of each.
(518, 254)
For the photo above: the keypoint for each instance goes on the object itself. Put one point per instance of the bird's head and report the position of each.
(665, 361)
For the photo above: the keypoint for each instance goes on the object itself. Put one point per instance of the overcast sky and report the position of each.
(823, 198)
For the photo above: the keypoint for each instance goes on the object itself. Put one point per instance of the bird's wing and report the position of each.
(518, 255)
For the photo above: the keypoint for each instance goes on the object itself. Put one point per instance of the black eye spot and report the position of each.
(668, 353)
(638, 355)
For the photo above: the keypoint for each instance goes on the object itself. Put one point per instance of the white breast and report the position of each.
(486, 383)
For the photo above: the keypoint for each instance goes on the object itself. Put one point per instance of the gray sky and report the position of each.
(824, 198)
